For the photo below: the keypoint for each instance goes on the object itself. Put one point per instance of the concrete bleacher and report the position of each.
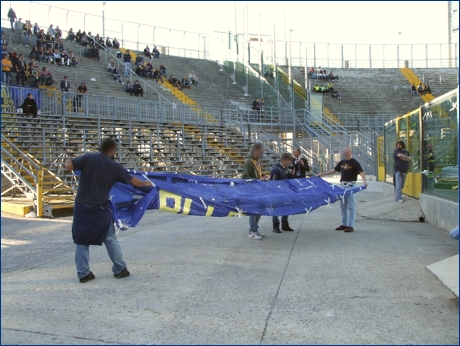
(216, 89)
(383, 93)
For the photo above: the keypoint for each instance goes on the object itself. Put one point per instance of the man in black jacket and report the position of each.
(127, 63)
(21, 70)
(300, 164)
(30, 106)
(137, 89)
(281, 171)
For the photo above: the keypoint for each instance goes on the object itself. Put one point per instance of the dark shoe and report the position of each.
(341, 228)
(124, 273)
(287, 229)
(276, 229)
(87, 278)
(348, 229)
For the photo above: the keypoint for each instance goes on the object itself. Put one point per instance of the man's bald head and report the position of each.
(347, 153)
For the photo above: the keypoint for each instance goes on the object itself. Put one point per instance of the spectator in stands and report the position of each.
(4, 41)
(35, 32)
(81, 90)
(59, 45)
(156, 53)
(4, 52)
(33, 74)
(79, 35)
(29, 106)
(137, 89)
(194, 79)
(336, 94)
(34, 52)
(65, 61)
(311, 71)
(41, 54)
(256, 108)
(147, 52)
(12, 18)
(185, 82)
(46, 77)
(331, 76)
(115, 43)
(58, 32)
(427, 89)
(262, 105)
(414, 89)
(157, 75)
(49, 56)
(71, 35)
(90, 38)
(27, 31)
(7, 66)
(163, 70)
(139, 60)
(175, 82)
(129, 88)
(108, 42)
(302, 71)
(84, 41)
(420, 89)
(140, 70)
(14, 59)
(21, 70)
(42, 39)
(57, 57)
(49, 40)
(65, 84)
(127, 62)
(113, 69)
(52, 31)
(73, 60)
(101, 42)
(18, 30)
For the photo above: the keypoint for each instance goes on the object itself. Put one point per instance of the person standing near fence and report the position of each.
(401, 167)
(81, 90)
(12, 17)
(349, 169)
(127, 63)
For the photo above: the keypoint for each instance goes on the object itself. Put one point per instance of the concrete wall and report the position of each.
(440, 212)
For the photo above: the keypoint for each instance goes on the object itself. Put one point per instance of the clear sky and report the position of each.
(312, 21)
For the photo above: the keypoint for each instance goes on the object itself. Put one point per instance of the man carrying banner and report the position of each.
(253, 170)
(349, 169)
(92, 220)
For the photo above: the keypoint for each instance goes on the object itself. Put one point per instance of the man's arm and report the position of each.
(363, 177)
(68, 165)
(404, 157)
(329, 172)
(136, 182)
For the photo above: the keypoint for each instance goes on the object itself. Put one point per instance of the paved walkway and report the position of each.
(200, 280)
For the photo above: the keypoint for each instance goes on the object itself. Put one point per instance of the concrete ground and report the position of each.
(200, 280)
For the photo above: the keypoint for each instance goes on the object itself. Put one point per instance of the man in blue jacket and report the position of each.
(281, 171)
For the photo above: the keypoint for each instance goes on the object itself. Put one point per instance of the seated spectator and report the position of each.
(149, 70)
(115, 43)
(156, 53)
(420, 89)
(7, 66)
(175, 82)
(42, 39)
(194, 79)
(73, 60)
(108, 42)
(137, 89)
(49, 56)
(49, 40)
(56, 57)
(51, 31)
(336, 94)
(90, 38)
(140, 71)
(33, 74)
(332, 77)
(147, 52)
(139, 59)
(311, 71)
(84, 41)
(97, 38)
(329, 87)
(29, 106)
(79, 35)
(34, 53)
(46, 77)
(129, 88)
(101, 42)
(4, 41)
(414, 90)
(71, 35)
(163, 70)
(157, 75)
(111, 66)
(427, 89)
(65, 61)
(59, 45)
(185, 82)
(58, 32)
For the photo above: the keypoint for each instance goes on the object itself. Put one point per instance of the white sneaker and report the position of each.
(254, 235)
(400, 201)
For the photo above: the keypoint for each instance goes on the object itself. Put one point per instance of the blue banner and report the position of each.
(18, 96)
(204, 196)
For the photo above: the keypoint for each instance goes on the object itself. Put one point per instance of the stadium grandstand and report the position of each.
(190, 112)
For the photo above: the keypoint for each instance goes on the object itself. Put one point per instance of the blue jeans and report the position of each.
(127, 68)
(284, 221)
(400, 180)
(348, 206)
(113, 249)
(6, 77)
(26, 39)
(254, 223)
